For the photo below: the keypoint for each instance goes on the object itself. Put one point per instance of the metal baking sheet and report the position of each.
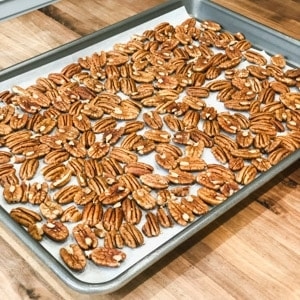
(107, 280)
(13, 8)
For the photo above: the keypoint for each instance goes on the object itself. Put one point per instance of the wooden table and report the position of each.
(252, 252)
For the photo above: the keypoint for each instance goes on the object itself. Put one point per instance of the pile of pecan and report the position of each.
(126, 142)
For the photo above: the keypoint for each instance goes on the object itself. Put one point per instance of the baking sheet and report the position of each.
(104, 280)
(13, 8)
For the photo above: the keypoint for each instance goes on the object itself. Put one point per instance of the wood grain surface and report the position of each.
(251, 252)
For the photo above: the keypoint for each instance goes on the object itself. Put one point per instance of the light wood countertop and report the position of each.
(251, 252)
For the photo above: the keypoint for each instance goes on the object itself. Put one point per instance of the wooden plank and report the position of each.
(29, 35)
(283, 16)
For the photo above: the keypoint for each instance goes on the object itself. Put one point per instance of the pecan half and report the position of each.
(56, 230)
(85, 237)
(73, 257)
(107, 257)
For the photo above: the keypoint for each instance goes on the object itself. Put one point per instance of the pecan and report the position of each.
(133, 126)
(288, 143)
(98, 150)
(132, 213)
(238, 105)
(153, 119)
(13, 193)
(246, 153)
(246, 174)
(191, 119)
(111, 166)
(195, 204)
(177, 176)
(194, 102)
(170, 149)
(173, 122)
(220, 154)
(244, 138)
(107, 257)
(138, 168)
(255, 57)
(160, 136)
(166, 161)
(22, 147)
(218, 85)
(261, 164)
(37, 193)
(92, 111)
(18, 121)
(123, 155)
(210, 179)
(81, 122)
(211, 25)
(55, 230)
(180, 191)
(201, 92)
(28, 169)
(73, 256)
(180, 213)
(92, 213)
(5, 157)
(103, 124)
(277, 155)
(112, 218)
(112, 136)
(71, 69)
(155, 181)
(229, 188)
(113, 239)
(130, 141)
(75, 148)
(71, 214)
(115, 193)
(144, 146)
(182, 137)
(56, 156)
(188, 163)
(194, 150)
(144, 198)
(211, 127)
(151, 226)
(7, 169)
(66, 194)
(209, 113)
(92, 168)
(131, 235)
(125, 112)
(261, 140)
(163, 196)
(36, 231)
(25, 216)
(85, 237)
(228, 122)
(197, 136)
(84, 196)
(291, 100)
(44, 126)
(211, 197)
(64, 124)
(278, 60)
(235, 163)
(164, 219)
(130, 182)
(51, 210)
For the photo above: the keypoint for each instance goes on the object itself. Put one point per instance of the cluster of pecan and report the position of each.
(80, 146)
